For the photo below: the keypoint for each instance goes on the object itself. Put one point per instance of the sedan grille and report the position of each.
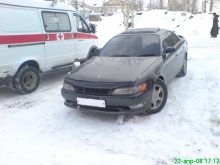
(96, 88)
(93, 91)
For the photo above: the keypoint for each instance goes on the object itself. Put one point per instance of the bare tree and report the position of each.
(126, 14)
(126, 10)
(150, 5)
(171, 5)
(183, 5)
(204, 6)
(103, 8)
(194, 6)
(161, 4)
(188, 5)
(211, 6)
(54, 3)
(140, 5)
(76, 4)
(132, 6)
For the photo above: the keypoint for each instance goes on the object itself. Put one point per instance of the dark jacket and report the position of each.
(214, 30)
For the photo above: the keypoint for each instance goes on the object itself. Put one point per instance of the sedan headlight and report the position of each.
(130, 90)
(68, 86)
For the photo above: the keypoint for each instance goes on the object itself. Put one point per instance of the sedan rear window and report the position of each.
(132, 46)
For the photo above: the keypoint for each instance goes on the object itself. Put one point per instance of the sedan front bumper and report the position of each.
(114, 104)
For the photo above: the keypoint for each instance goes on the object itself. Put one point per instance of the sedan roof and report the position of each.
(144, 30)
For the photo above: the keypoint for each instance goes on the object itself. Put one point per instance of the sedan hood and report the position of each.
(112, 69)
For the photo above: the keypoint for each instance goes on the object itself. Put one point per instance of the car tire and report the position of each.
(183, 70)
(159, 97)
(27, 80)
(12, 84)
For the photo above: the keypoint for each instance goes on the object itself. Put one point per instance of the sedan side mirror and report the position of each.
(95, 52)
(168, 50)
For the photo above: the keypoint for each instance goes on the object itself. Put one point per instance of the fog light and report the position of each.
(136, 106)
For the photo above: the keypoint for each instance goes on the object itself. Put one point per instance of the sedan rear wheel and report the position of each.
(159, 97)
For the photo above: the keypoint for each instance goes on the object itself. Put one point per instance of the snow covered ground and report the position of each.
(37, 129)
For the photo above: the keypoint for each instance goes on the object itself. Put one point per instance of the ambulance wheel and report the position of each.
(12, 84)
(27, 80)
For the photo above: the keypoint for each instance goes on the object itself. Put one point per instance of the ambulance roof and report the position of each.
(39, 4)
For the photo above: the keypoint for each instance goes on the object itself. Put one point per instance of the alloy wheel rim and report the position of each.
(157, 96)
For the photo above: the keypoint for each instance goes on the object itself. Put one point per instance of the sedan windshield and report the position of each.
(142, 45)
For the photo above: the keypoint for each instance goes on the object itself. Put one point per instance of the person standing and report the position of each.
(214, 30)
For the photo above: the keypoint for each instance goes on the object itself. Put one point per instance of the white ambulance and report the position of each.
(37, 35)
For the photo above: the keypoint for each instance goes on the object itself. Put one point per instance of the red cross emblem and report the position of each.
(60, 36)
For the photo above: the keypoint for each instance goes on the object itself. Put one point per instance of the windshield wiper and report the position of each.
(145, 55)
(120, 55)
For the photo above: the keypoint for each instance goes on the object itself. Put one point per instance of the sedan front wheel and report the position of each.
(159, 97)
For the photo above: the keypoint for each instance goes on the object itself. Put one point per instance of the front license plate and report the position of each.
(91, 102)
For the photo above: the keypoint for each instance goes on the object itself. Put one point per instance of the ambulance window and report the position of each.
(80, 24)
(56, 22)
